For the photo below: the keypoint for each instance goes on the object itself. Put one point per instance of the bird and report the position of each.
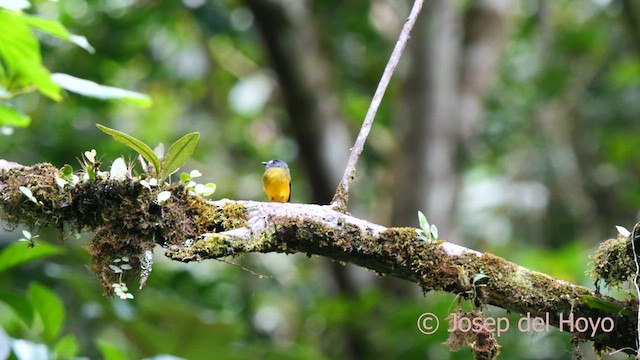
(276, 180)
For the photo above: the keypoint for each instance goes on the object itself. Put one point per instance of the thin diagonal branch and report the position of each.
(340, 199)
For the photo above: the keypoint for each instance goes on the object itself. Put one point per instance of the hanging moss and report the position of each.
(480, 340)
(613, 262)
(124, 215)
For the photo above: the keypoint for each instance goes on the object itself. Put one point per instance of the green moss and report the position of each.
(123, 215)
(212, 244)
(613, 262)
(231, 216)
(264, 242)
(427, 260)
(40, 179)
(235, 216)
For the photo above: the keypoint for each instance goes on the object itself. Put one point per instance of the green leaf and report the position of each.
(111, 352)
(67, 347)
(428, 232)
(95, 90)
(137, 145)
(50, 26)
(424, 224)
(41, 78)
(67, 172)
(20, 51)
(55, 28)
(13, 117)
(434, 232)
(19, 253)
(178, 154)
(49, 307)
(15, 4)
(20, 305)
(91, 174)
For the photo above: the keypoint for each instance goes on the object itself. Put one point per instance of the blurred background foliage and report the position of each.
(512, 124)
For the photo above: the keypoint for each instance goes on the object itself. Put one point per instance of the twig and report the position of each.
(340, 199)
(635, 284)
(260, 276)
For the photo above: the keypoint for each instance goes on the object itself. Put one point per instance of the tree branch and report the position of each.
(340, 200)
(127, 220)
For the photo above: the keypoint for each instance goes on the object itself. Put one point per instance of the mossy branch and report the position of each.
(127, 221)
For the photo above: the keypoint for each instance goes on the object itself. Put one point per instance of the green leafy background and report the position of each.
(193, 61)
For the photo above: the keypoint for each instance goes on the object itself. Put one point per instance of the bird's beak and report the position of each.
(265, 163)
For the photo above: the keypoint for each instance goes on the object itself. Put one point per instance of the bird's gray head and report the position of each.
(275, 163)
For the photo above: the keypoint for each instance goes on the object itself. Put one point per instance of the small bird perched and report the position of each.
(277, 180)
